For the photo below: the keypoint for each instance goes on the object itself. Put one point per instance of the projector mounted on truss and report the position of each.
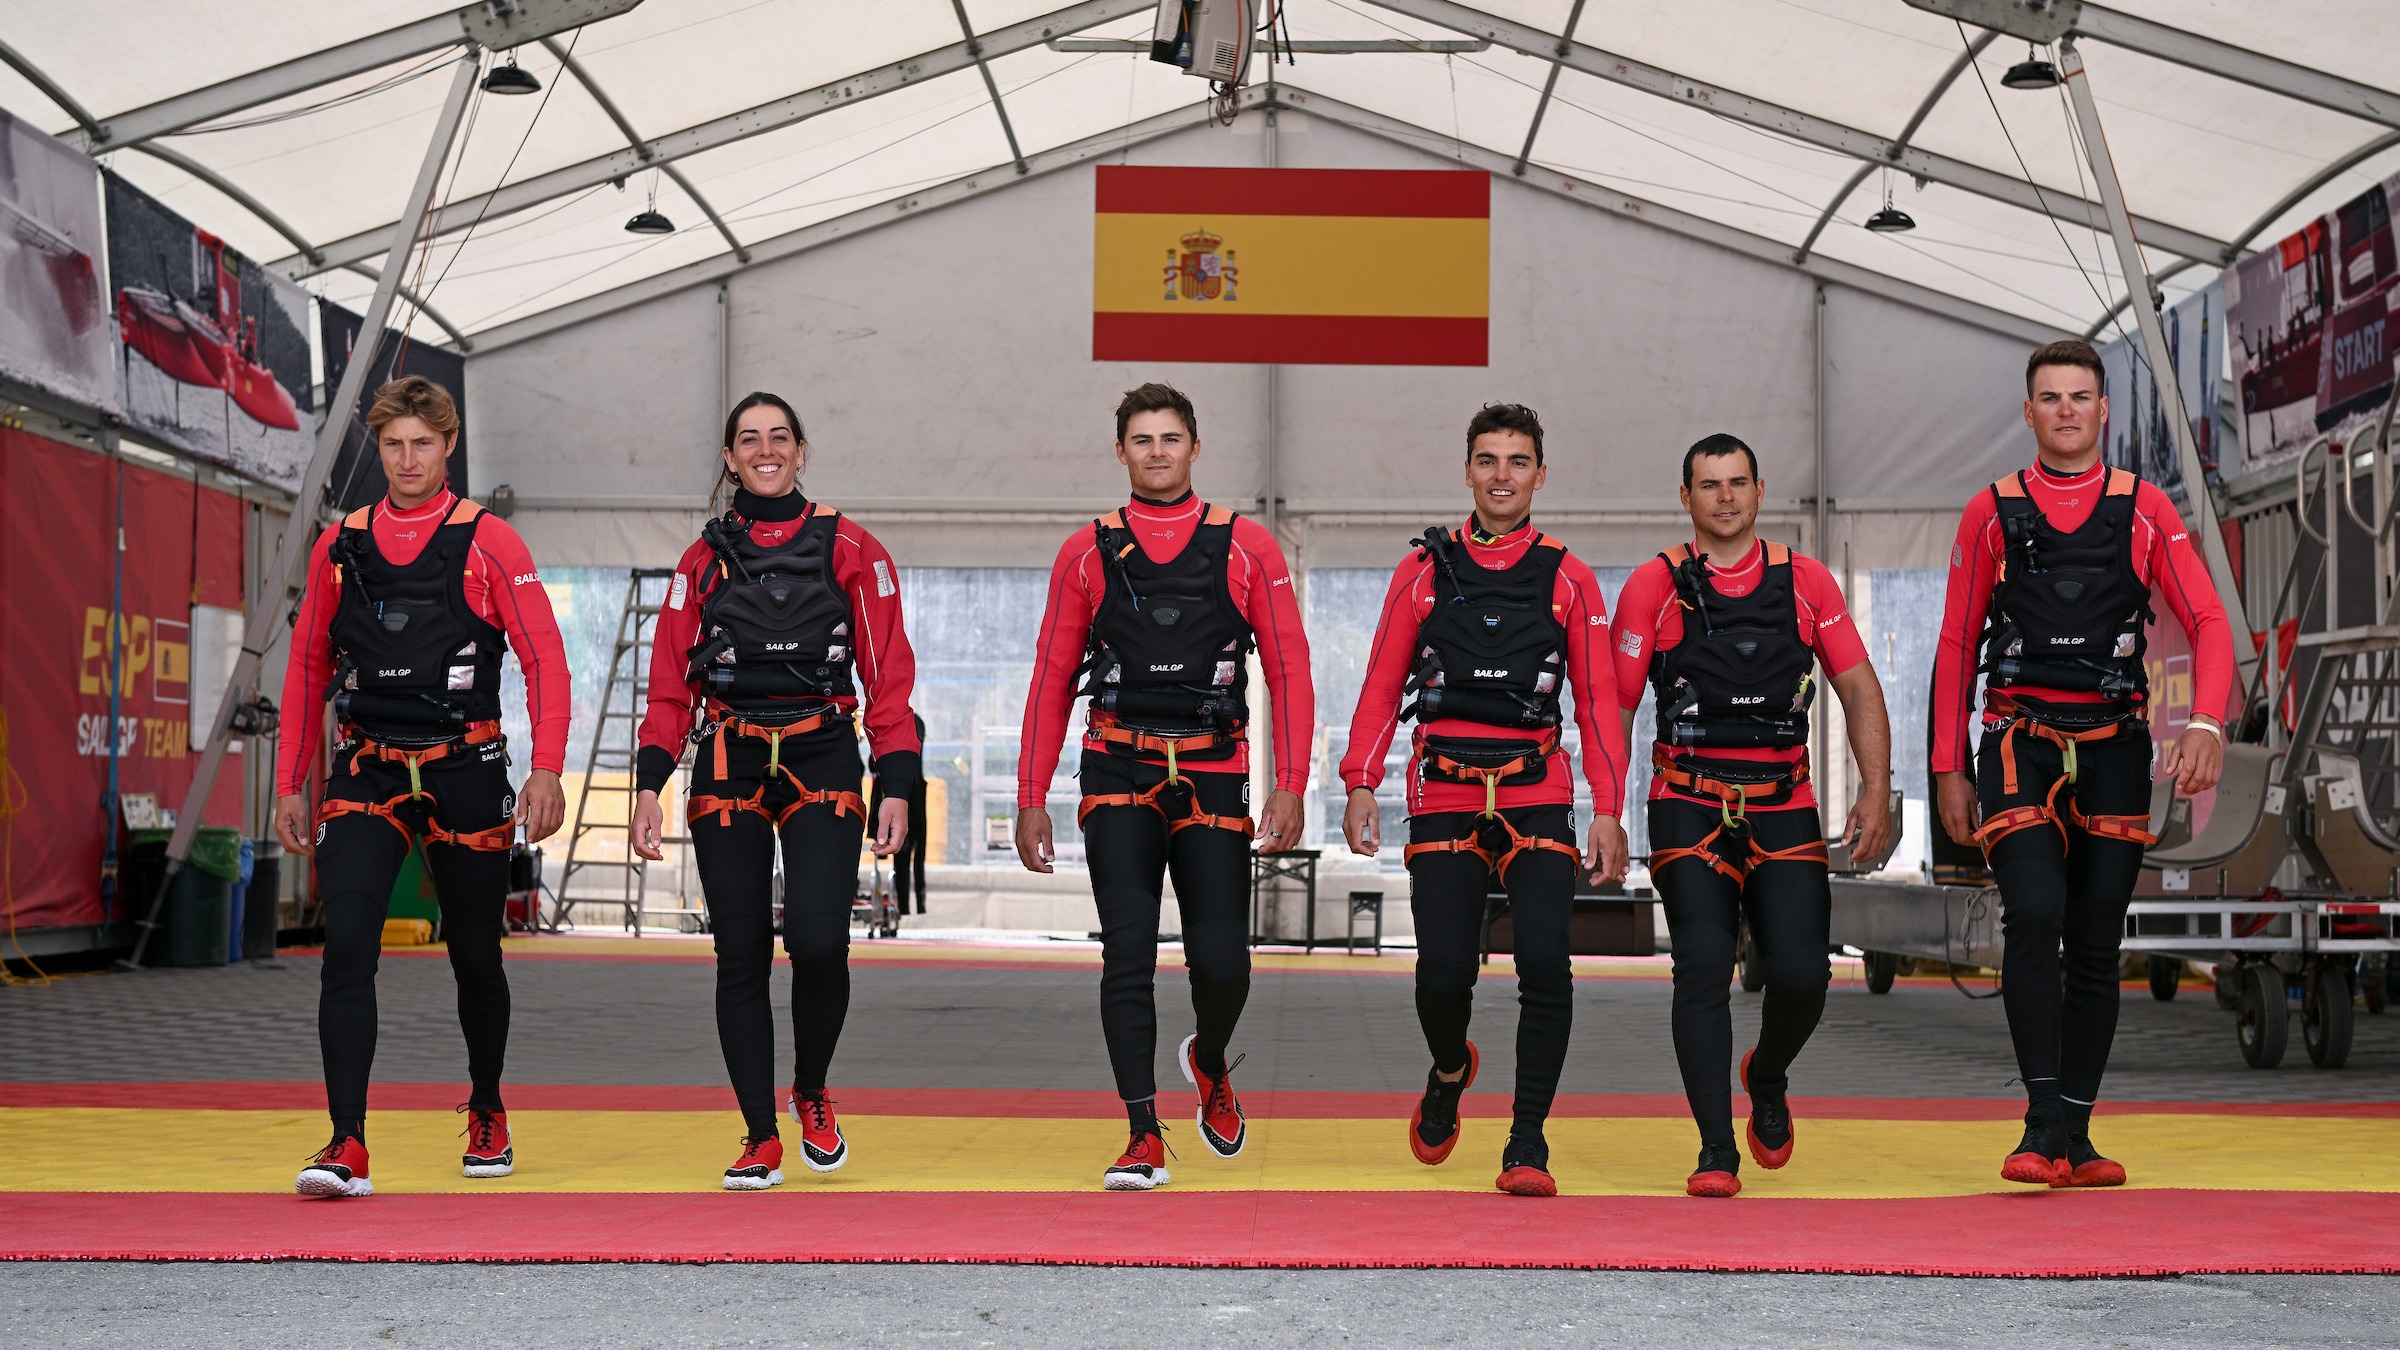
(1207, 38)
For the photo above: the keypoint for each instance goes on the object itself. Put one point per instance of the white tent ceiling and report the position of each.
(2195, 151)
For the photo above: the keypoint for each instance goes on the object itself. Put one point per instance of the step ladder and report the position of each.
(602, 870)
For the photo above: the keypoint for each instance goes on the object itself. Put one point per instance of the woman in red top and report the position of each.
(779, 619)
(408, 607)
(1729, 631)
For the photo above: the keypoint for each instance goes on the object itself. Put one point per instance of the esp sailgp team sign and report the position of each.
(1292, 266)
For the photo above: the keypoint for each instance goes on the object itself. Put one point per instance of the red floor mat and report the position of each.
(2033, 1234)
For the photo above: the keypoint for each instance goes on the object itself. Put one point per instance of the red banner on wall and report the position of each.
(182, 548)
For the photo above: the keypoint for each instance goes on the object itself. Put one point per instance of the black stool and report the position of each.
(1364, 902)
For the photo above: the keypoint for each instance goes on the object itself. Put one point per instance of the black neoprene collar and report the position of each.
(789, 506)
(1148, 501)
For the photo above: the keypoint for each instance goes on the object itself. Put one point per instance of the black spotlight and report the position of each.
(1891, 220)
(2031, 73)
(510, 79)
(650, 222)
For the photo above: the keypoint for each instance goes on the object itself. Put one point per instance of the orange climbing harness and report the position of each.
(723, 808)
(1733, 806)
(1533, 756)
(1241, 825)
(1109, 733)
(497, 839)
(2133, 829)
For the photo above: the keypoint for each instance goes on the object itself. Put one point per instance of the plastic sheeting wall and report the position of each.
(942, 366)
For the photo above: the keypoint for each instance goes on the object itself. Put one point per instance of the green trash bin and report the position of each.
(192, 924)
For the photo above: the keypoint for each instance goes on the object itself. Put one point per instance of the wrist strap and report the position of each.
(2210, 727)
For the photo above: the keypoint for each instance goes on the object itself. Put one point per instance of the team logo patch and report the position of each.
(675, 592)
(1630, 644)
(883, 578)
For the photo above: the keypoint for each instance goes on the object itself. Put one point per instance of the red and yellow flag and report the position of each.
(1292, 266)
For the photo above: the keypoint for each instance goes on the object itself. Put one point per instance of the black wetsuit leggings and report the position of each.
(1789, 906)
(1446, 894)
(2062, 906)
(358, 858)
(820, 878)
(1130, 851)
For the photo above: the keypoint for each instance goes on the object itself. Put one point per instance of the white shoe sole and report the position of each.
(1191, 1075)
(314, 1182)
(1127, 1181)
(754, 1183)
(489, 1170)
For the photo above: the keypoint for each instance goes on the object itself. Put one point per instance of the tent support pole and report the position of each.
(265, 608)
(2202, 505)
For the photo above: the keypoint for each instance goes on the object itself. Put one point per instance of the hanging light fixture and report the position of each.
(1891, 219)
(510, 79)
(650, 220)
(2031, 73)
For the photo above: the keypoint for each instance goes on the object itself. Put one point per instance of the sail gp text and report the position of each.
(137, 737)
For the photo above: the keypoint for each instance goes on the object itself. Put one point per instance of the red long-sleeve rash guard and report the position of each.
(1650, 620)
(2163, 557)
(502, 588)
(1262, 591)
(886, 664)
(1580, 608)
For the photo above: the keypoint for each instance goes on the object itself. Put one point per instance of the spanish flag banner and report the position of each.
(1292, 266)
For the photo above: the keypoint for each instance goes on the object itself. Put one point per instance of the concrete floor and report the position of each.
(307, 1304)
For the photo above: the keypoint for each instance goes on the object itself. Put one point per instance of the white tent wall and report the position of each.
(941, 365)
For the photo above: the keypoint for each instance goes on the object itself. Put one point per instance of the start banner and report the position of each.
(1292, 266)
(181, 546)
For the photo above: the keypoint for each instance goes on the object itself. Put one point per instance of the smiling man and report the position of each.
(1728, 631)
(1486, 628)
(2053, 574)
(1153, 614)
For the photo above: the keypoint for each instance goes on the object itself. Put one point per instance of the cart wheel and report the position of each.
(1753, 969)
(2325, 1016)
(2165, 973)
(2261, 1022)
(1881, 967)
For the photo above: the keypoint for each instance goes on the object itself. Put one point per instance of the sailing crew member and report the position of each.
(2052, 577)
(780, 616)
(1153, 614)
(1482, 630)
(1728, 631)
(408, 606)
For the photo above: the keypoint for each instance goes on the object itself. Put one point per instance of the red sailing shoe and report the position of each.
(821, 1144)
(1433, 1126)
(1525, 1167)
(340, 1168)
(2084, 1166)
(1717, 1176)
(489, 1153)
(1770, 1118)
(2040, 1158)
(760, 1166)
(1222, 1126)
(1141, 1167)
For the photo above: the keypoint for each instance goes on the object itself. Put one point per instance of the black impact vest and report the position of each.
(775, 631)
(1741, 677)
(1491, 650)
(413, 664)
(1169, 648)
(2069, 612)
